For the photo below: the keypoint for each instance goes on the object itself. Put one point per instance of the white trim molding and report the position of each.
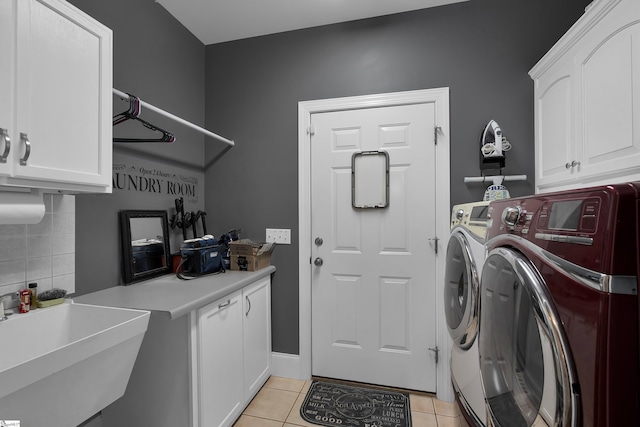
(440, 98)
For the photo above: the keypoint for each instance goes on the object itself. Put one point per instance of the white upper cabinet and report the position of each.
(587, 88)
(55, 112)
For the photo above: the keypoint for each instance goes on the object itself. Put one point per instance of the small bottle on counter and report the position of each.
(25, 301)
(33, 287)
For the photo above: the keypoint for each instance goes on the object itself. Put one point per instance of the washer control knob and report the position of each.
(459, 213)
(511, 215)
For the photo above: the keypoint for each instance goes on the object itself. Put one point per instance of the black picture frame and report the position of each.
(145, 244)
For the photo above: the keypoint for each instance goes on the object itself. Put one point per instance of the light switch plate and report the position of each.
(281, 236)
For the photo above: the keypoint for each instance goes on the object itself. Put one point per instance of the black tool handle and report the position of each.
(180, 211)
(204, 222)
(194, 220)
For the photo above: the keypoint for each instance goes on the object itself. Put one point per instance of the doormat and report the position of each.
(334, 405)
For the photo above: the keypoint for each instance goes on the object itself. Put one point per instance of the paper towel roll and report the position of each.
(21, 208)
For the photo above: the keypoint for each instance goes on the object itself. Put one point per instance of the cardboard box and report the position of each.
(249, 262)
(247, 255)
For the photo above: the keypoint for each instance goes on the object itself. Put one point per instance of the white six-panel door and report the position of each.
(374, 296)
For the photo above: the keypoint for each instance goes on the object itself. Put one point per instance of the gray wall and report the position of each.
(482, 50)
(158, 60)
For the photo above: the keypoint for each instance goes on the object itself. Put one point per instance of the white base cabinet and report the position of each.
(56, 104)
(587, 98)
(200, 369)
(233, 354)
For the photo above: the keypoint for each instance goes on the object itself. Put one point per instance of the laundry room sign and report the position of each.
(130, 177)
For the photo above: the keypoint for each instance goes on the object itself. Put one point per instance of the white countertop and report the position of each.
(171, 296)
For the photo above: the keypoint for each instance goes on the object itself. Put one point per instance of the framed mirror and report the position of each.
(145, 245)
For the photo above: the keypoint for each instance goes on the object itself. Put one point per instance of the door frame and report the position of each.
(437, 96)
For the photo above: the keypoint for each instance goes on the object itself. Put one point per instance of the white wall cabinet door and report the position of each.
(257, 336)
(554, 125)
(7, 85)
(61, 74)
(608, 134)
(220, 361)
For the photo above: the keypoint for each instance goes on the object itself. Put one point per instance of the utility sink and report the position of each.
(61, 365)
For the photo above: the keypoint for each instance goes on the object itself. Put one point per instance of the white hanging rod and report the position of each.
(495, 179)
(125, 97)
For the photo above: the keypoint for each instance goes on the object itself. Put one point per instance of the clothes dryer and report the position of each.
(465, 257)
(559, 340)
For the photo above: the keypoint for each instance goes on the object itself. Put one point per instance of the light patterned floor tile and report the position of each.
(421, 403)
(444, 421)
(423, 419)
(285, 384)
(272, 404)
(249, 421)
(446, 408)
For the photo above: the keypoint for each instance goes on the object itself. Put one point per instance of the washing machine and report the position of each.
(558, 342)
(465, 257)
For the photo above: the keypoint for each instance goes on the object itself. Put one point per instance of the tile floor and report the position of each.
(278, 403)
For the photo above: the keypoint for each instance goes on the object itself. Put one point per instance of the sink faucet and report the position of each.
(2, 297)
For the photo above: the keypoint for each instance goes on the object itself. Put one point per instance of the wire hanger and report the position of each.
(133, 113)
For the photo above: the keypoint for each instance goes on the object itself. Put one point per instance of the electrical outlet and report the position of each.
(281, 236)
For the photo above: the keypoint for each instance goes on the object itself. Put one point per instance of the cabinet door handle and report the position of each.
(249, 303)
(27, 151)
(225, 304)
(7, 145)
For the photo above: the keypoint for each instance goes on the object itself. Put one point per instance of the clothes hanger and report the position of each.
(133, 113)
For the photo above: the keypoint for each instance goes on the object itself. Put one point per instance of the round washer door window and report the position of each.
(461, 292)
(526, 379)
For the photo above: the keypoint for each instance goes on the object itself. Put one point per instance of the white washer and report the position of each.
(465, 258)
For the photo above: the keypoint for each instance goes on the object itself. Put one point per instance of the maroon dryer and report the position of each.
(559, 335)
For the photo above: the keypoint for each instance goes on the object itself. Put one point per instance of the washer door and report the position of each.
(527, 372)
(461, 292)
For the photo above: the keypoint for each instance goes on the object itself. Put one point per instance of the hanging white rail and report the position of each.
(495, 179)
(125, 97)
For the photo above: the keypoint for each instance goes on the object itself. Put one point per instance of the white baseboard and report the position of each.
(286, 365)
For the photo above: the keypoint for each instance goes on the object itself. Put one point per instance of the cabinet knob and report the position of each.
(573, 164)
(7, 145)
(27, 149)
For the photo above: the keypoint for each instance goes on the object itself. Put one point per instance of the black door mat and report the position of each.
(340, 405)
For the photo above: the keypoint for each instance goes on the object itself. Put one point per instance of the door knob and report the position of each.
(319, 241)
(318, 262)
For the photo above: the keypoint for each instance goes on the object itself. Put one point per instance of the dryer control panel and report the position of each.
(594, 227)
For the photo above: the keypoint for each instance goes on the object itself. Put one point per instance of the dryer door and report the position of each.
(461, 291)
(527, 372)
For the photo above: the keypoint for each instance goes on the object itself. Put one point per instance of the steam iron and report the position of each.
(491, 140)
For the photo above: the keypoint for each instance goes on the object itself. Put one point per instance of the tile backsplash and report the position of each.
(43, 253)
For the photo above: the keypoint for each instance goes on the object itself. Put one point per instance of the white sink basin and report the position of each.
(61, 365)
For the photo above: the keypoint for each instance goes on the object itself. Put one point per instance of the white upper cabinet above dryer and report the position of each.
(587, 88)
(56, 105)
